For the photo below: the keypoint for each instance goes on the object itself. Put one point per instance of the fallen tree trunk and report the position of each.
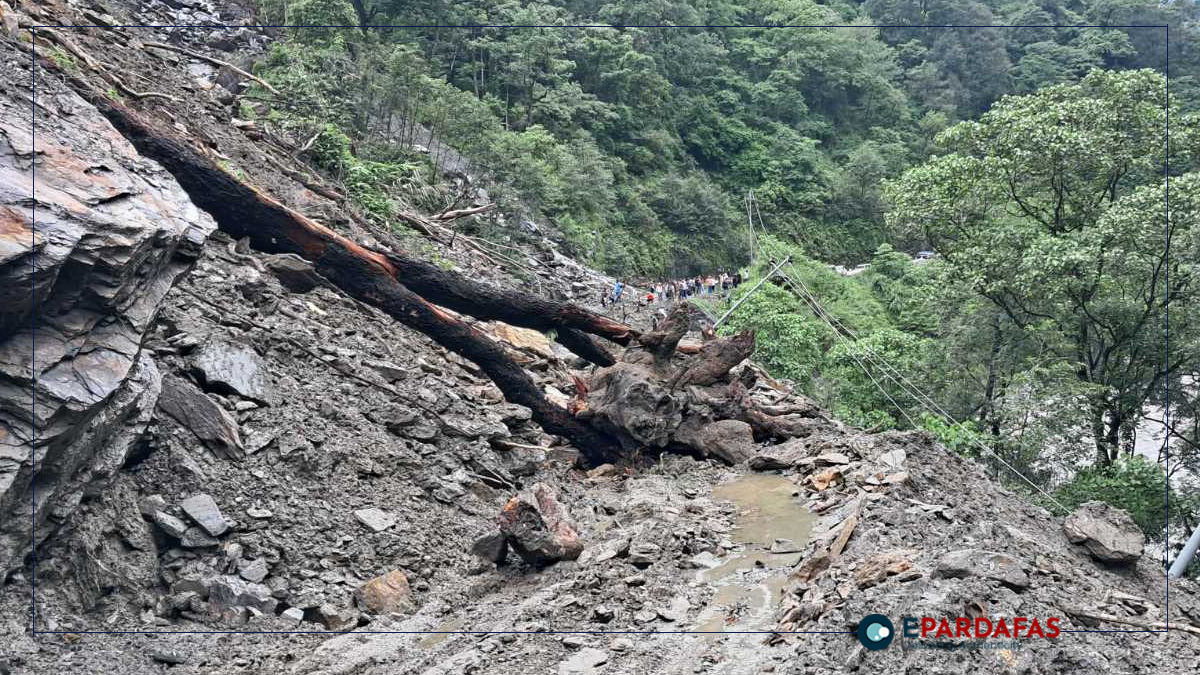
(243, 211)
(582, 344)
(488, 302)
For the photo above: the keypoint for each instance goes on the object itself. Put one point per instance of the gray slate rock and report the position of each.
(583, 662)
(731, 441)
(493, 547)
(172, 656)
(972, 562)
(1107, 532)
(253, 570)
(377, 520)
(231, 368)
(196, 537)
(229, 591)
(202, 509)
(170, 524)
(193, 409)
(114, 233)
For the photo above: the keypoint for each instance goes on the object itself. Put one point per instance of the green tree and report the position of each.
(1052, 206)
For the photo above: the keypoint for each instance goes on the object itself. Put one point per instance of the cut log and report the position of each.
(369, 276)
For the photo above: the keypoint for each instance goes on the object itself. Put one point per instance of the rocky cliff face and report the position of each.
(92, 237)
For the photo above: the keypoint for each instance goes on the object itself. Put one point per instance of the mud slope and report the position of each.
(264, 454)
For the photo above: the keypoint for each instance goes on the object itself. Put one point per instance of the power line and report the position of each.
(903, 382)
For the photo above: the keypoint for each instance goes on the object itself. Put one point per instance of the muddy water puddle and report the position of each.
(440, 634)
(772, 528)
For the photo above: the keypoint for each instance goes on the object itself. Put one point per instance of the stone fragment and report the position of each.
(170, 524)
(201, 415)
(876, 569)
(148, 505)
(493, 547)
(294, 273)
(259, 513)
(779, 457)
(293, 615)
(824, 479)
(377, 520)
(196, 537)
(1107, 532)
(229, 591)
(253, 570)
(386, 594)
(536, 527)
(230, 367)
(523, 338)
(388, 370)
(202, 509)
(731, 441)
(781, 545)
(972, 562)
(644, 554)
(173, 657)
(583, 662)
(337, 618)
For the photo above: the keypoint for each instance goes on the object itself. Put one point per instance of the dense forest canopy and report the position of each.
(1033, 159)
(640, 144)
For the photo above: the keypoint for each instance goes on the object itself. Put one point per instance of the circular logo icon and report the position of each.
(876, 631)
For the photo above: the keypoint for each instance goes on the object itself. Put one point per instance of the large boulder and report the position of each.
(114, 232)
(1108, 533)
(731, 441)
(537, 528)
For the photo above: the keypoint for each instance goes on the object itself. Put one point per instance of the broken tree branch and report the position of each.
(485, 302)
(215, 62)
(1099, 616)
(462, 213)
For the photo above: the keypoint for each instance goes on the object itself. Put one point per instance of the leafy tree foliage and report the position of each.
(669, 128)
(1052, 206)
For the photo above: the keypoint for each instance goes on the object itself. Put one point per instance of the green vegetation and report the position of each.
(64, 60)
(1042, 324)
(1132, 484)
(639, 144)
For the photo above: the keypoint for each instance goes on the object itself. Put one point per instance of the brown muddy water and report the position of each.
(749, 582)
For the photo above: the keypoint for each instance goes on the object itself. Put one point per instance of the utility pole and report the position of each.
(1185, 556)
(744, 297)
(750, 218)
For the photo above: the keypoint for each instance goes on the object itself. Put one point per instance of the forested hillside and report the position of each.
(641, 143)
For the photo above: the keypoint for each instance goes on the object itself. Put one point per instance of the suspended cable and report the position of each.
(903, 382)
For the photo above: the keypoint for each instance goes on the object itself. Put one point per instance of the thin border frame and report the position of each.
(33, 315)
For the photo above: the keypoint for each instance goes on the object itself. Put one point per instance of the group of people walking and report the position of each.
(676, 289)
